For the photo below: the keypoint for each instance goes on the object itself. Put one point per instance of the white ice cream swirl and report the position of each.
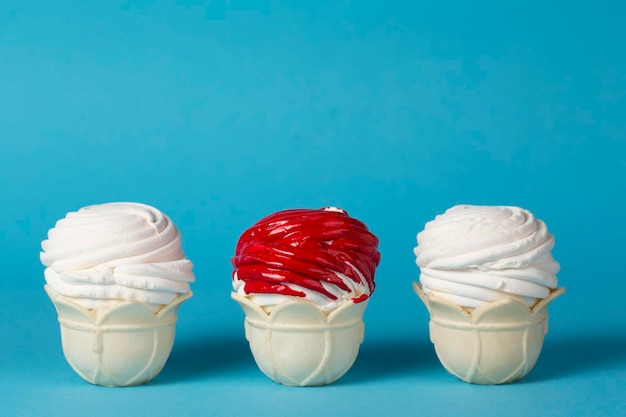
(472, 255)
(116, 251)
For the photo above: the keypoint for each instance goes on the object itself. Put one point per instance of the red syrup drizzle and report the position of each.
(305, 247)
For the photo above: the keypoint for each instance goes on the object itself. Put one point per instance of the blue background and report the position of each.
(220, 112)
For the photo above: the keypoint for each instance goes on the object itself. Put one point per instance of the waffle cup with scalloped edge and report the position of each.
(120, 344)
(298, 345)
(496, 343)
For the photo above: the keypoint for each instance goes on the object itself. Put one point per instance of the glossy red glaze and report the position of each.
(306, 247)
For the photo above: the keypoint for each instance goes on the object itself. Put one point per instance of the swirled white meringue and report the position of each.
(116, 251)
(472, 255)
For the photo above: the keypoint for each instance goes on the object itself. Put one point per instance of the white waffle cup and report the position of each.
(123, 344)
(298, 345)
(496, 343)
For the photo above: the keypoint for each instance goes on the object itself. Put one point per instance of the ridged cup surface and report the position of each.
(493, 344)
(296, 344)
(121, 345)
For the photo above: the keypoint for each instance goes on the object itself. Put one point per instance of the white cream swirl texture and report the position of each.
(116, 251)
(473, 255)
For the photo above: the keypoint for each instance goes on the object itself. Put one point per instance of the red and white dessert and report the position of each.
(322, 256)
(303, 278)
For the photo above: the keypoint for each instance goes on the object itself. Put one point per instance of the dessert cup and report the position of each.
(496, 343)
(123, 344)
(298, 345)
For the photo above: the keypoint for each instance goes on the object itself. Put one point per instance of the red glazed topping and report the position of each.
(300, 251)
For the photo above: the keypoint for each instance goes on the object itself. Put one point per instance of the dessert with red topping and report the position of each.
(308, 270)
(322, 256)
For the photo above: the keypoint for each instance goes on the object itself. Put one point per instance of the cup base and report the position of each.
(125, 344)
(493, 344)
(297, 345)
